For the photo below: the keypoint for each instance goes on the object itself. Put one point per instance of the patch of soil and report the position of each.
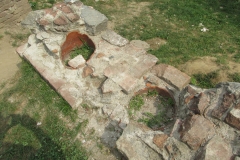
(156, 43)
(205, 65)
(9, 59)
(201, 65)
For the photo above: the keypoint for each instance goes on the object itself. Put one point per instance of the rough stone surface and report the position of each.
(110, 86)
(87, 71)
(95, 21)
(140, 44)
(197, 131)
(175, 77)
(140, 151)
(118, 72)
(77, 62)
(233, 117)
(227, 102)
(160, 139)
(217, 148)
(113, 38)
(177, 150)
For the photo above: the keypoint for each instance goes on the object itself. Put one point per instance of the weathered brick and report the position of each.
(233, 117)
(61, 20)
(66, 9)
(227, 102)
(127, 82)
(72, 17)
(144, 64)
(174, 76)
(159, 140)
(196, 130)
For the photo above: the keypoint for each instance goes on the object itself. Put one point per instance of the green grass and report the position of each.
(235, 77)
(35, 101)
(1, 36)
(135, 104)
(204, 80)
(85, 51)
(160, 118)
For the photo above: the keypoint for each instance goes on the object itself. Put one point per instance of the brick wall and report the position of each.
(12, 12)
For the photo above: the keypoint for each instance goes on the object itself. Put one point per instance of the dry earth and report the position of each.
(9, 59)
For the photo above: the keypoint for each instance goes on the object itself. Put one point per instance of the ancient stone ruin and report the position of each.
(205, 122)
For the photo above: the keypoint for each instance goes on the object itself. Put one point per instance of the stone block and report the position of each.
(227, 102)
(203, 103)
(217, 148)
(114, 38)
(173, 76)
(140, 151)
(127, 82)
(144, 64)
(196, 130)
(77, 62)
(233, 117)
(95, 21)
(116, 70)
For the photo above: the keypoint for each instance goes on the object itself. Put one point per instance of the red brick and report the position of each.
(175, 77)
(43, 21)
(127, 82)
(66, 9)
(196, 130)
(159, 69)
(203, 102)
(72, 17)
(61, 20)
(50, 11)
(145, 63)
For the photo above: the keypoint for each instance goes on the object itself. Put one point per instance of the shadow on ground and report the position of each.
(48, 150)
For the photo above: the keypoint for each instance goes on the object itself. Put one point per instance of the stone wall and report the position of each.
(13, 11)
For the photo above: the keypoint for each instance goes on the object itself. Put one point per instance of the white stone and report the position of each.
(77, 62)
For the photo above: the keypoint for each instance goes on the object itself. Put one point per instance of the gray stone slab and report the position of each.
(95, 21)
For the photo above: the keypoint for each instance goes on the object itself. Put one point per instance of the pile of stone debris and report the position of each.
(207, 121)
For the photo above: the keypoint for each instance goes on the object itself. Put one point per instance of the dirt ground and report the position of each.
(9, 59)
